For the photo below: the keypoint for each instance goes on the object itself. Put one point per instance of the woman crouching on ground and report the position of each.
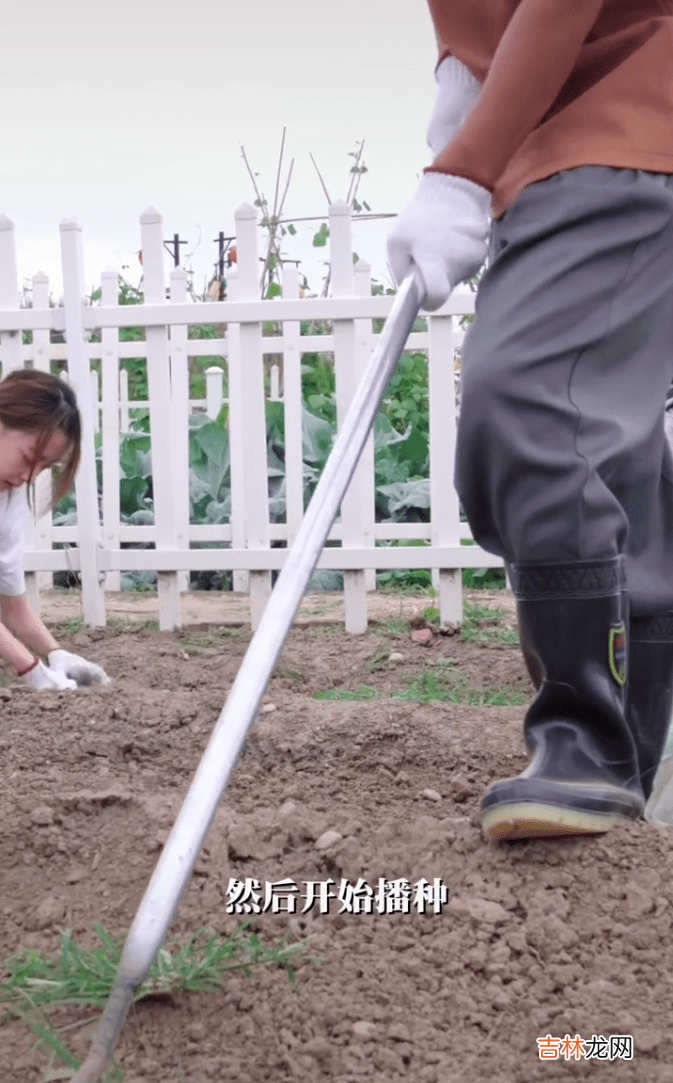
(39, 429)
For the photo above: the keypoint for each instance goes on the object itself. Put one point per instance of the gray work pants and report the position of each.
(562, 454)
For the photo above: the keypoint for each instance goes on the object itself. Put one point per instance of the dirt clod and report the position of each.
(42, 815)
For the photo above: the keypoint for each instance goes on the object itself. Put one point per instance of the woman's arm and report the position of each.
(30, 634)
(23, 634)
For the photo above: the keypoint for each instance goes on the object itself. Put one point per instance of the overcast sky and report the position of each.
(110, 106)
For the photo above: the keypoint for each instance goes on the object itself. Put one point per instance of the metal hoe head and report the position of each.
(171, 875)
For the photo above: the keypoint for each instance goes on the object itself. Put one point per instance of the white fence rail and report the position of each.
(93, 547)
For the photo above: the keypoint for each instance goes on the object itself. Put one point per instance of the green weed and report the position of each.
(126, 624)
(444, 684)
(70, 626)
(397, 627)
(432, 615)
(205, 642)
(379, 660)
(316, 630)
(473, 630)
(288, 673)
(80, 976)
(363, 692)
(451, 688)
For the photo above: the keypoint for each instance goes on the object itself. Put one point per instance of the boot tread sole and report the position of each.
(533, 820)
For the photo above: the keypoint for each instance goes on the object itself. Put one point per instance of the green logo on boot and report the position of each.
(617, 653)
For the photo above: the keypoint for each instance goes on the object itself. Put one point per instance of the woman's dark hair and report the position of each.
(37, 402)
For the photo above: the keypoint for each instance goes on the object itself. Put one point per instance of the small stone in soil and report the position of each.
(364, 1029)
(327, 840)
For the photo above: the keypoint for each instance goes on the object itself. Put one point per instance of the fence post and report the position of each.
(159, 393)
(40, 300)
(444, 506)
(180, 419)
(364, 344)
(10, 341)
(111, 425)
(345, 373)
(42, 538)
(292, 406)
(86, 489)
(256, 484)
(213, 376)
(235, 415)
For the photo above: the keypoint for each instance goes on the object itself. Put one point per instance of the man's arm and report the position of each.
(532, 63)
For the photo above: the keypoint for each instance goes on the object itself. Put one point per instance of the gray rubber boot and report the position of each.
(584, 775)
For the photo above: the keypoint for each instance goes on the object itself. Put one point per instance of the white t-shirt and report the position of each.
(13, 510)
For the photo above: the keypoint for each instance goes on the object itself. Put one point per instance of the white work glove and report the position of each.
(442, 233)
(457, 91)
(78, 669)
(42, 679)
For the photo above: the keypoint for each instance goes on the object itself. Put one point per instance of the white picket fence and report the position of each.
(93, 546)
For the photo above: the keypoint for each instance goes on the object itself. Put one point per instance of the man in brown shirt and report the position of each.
(565, 134)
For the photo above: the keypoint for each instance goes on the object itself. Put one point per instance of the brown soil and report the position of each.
(547, 937)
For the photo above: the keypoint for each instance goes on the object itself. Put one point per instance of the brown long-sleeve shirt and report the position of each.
(615, 108)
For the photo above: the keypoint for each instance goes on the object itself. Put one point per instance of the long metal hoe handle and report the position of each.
(171, 875)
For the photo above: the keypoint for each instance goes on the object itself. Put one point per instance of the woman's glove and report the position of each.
(76, 668)
(457, 91)
(42, 679)
(442, 232)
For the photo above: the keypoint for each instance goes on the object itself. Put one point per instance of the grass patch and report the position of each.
(288, 673)
(70, 626)
(451, 688)
(205, 642)
(80, 976)
(396, 627)
(441, 684)
(379, 660)
(321, 630)
(363, 692)
(125, 624)
(473, 630)
(321, 608)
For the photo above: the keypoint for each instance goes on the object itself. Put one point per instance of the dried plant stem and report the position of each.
(324, 188)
